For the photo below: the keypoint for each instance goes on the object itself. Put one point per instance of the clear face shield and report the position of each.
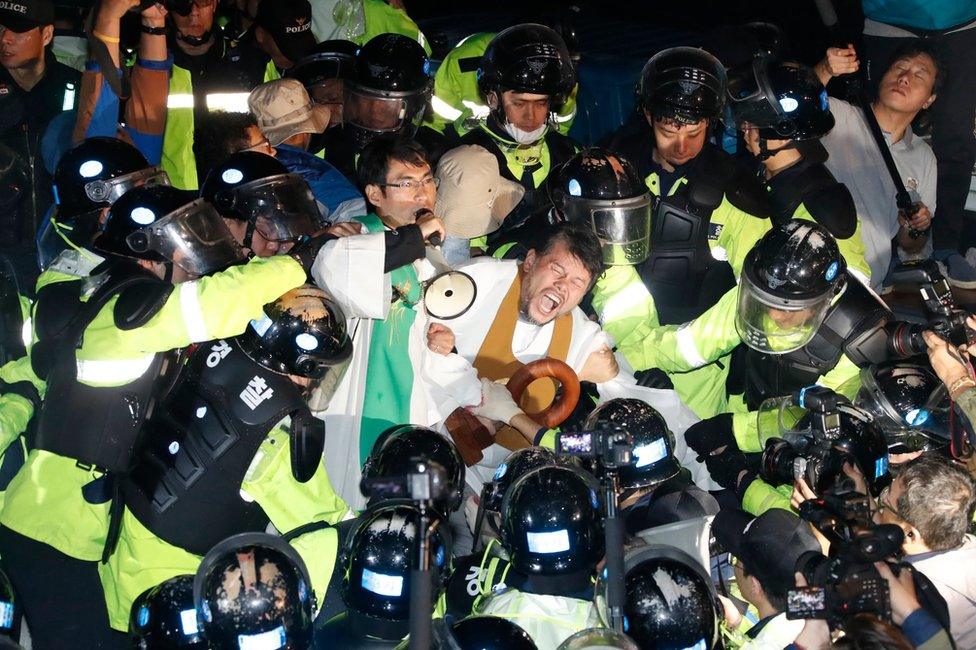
(194, 237)
(925, 428)
(623, 226)
(775, 325)
(389, 113)
(282, 208)
(109, 190)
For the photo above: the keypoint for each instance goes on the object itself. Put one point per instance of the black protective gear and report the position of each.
(789, 279)
(809, 183)
(725, 467)
(671, 601)
(686, 84)
(12, 334)
(254, 587)
(11, 612)
(395, 451)
(198, 445)
(333, 59)
(486, 633)
(528, 58)
(509, 470)
(255, 188)
(378, 557)
(164, 224)
(710, 434)
(389, 91)
(163, 617)
(909, 403)
(305, 251)
(551, 524)
(302, 333)
(603, 191)
(654, 460)
(95, 173)
(784, 101)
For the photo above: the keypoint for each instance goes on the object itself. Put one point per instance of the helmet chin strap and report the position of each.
(765, 153)
(249, 236)
(194, 41)
(168, 274)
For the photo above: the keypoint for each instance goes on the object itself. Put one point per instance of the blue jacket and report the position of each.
(928, 15)
(341, 199)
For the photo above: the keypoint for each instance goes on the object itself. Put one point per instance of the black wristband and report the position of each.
(155, 31)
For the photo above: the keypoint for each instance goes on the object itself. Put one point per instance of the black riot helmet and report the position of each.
(164, 224)
(603, 191)
(784, 101)
(330, 60)
(509, 470)
(389, 91)
(789, 279)
(686, 84)
(253, 590)
(256, 188)
(654, 460)
(528, 58)
(488, 633)
(551, 524)
(909, 403)
(670, 600)
(396, 451)
(765, 39)
(11, 611)
(377, 557)
(164, 618)
(95, 173)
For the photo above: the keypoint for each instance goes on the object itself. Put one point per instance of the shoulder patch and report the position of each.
(832, 206)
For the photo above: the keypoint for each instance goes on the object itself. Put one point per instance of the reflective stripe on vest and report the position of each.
(686, 345)
(617, 305)
(178, 160)
(230, 102)
(196, 326)
(443, 109)
(112, 372)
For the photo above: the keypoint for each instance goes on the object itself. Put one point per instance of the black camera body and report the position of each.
(945, 319)
(426, 483)
(846, 583)
(612, 448)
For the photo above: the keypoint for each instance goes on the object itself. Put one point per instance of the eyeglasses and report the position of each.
(263, 145)
(411, 184)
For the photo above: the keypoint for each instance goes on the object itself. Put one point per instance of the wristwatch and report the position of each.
(155, 31)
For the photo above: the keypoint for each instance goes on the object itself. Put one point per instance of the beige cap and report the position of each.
(472, 197)
(282, 109)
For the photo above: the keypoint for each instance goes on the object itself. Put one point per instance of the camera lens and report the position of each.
(776, 465)
(906, 340)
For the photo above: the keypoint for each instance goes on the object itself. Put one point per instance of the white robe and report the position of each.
(351, 270)
(460, 386)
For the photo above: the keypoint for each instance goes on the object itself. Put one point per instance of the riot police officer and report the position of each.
(596, 188)
(782, 111)
(266, 208)
(553, 534)
(526, 76)
(708, 212)
(386, 95)
(89, 178)
(101, 359)
(252, 588)
(374, 567)
(234, 447)
(164, 617)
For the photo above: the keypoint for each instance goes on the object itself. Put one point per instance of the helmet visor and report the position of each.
(195, 238)
(775, 325)
(109, 190)
(922, 428)
(623, 226)
(386, 114)
(282, 208)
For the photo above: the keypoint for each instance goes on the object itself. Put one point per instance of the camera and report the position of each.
(818, 452)
(945, 319)
(845, 583)
(426, 482)
(612, 448)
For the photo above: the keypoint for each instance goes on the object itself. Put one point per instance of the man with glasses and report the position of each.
(378, 283)
(932, 500)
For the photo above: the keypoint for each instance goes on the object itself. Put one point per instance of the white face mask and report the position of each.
(525, 137)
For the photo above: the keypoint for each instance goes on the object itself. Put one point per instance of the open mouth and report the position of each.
(549, 303)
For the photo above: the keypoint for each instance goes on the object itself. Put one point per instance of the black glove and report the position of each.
(725, 467)
(305, 251)
(708, 435)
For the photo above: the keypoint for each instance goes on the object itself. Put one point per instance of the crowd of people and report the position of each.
(305, 344)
